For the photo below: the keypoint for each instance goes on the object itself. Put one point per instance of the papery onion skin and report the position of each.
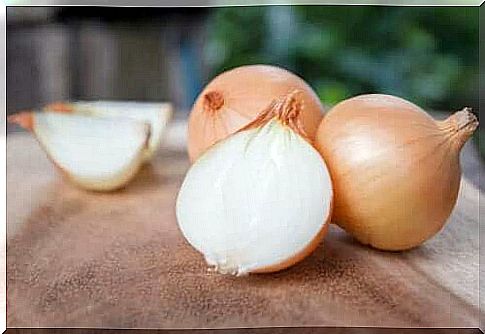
(395, 170)
(234, 98)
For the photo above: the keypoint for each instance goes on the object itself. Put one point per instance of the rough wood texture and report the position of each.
(118, 260)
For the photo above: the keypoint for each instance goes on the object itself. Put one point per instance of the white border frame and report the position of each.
(154, 3)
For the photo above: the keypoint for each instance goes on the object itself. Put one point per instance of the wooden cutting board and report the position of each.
(81, 259)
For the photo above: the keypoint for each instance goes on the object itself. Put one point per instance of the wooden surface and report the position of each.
(80, 259)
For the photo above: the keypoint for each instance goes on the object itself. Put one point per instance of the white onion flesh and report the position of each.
(255, 200)
(96, 153)
(156, 114)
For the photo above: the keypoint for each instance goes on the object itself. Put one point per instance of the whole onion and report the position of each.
(395, 170)
(234, 99)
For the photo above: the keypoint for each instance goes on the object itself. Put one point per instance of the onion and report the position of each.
(94, 153)
(234, 98)
(260, 200)
(157, 115)
(395, 170)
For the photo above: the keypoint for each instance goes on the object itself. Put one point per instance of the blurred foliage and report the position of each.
(428, 55)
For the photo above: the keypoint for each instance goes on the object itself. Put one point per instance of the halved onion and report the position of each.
(260, 200)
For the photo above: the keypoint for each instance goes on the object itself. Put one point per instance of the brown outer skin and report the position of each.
(287, 110)
(378, 152)
(247, 90)
(59, 106)
(24, 119)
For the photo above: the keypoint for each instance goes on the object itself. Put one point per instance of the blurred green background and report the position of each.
(427, 55)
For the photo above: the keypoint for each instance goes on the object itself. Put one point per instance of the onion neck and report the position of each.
(213, 101)
(460, 126)
(286, 110)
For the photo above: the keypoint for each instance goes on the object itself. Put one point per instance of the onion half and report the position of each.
(395, 170)
(236, 97)
(260, 200)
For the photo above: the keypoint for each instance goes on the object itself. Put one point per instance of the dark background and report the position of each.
(426, 55)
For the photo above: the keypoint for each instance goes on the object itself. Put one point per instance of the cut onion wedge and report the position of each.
(157, 115)
(95, 153)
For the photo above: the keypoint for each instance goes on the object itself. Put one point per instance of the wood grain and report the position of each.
(80, 259)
